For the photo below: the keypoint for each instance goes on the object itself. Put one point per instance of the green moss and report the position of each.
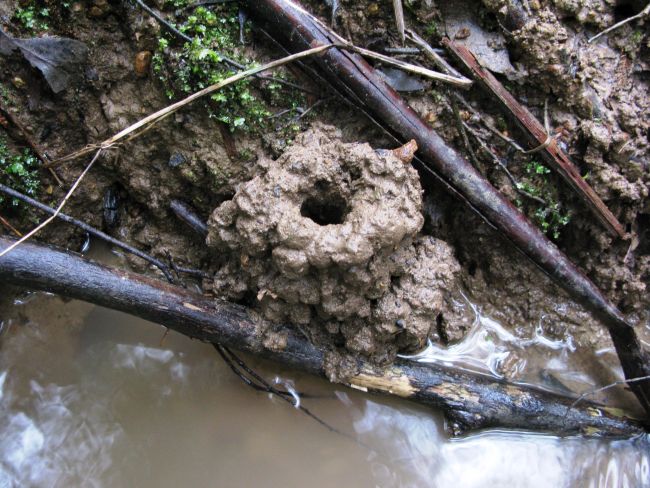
(199, 64)
(636, 38)
(33, 16)
(20, 172)
(552, 217)
(432, 29)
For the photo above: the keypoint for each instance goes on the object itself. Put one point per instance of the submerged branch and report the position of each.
(470, 401)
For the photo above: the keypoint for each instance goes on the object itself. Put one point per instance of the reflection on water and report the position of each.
(551, 364)
(488, 345)
(95, 398)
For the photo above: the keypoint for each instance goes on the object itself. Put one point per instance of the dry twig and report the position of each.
(604, 388)
(88, 228)
(549, 148)
(6, 223)
(146, 123)
(399, 18)
(58, 209)
(643, 13)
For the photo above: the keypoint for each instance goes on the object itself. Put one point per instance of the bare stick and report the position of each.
(641, 14)
(6, 223)
(431, 53)
(24, 135)
(606, 387)
(550, 151)
(292, 399)
(88, 228)
(412, 68)
(145, 123)
(58, 209)
(399, 18)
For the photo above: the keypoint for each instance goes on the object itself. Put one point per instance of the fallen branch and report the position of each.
(351, 76)
(542, 140)
(470, 400)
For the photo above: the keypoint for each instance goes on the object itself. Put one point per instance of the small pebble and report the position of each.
(18, 82)
(142, 63)
(176, 160)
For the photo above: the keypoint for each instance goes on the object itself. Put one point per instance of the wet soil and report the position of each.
(597, 105)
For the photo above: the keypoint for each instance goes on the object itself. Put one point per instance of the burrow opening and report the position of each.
(326, 207)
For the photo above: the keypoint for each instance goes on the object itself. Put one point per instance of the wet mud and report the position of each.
(329, 234)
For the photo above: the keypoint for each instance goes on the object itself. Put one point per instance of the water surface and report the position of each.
(92, 397)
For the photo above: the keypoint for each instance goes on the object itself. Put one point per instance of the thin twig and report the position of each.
(406, 51)
(163, 22)
(136, 129)
(88, 228)
(504, 168)
(438, 60)
(603, 388)
(58, 209)
(412, 68)
(207, 2)
(399, 18)
(6, 223)
(222, 57)
(461, 130)
(266, 386)
(641, 14)
(29, 141)
(464, 128)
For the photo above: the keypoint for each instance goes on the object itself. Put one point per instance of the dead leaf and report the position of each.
(58, 58)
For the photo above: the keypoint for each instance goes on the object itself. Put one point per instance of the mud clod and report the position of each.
(326, 239)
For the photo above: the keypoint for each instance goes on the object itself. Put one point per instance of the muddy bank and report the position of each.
(597, 98)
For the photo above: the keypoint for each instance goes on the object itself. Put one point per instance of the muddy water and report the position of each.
(91, 397)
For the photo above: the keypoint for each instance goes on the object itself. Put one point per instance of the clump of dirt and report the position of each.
(327, 239)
